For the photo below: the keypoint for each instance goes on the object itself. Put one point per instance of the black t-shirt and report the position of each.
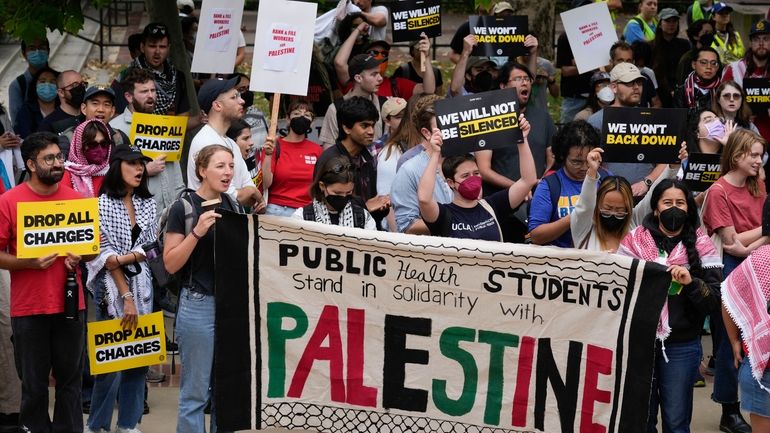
(576, 86)
(411, 74)
(201, 260)
(471, 223)
(58, 121)
(766, 218)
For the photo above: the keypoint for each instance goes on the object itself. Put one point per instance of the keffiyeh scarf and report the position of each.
(693, 82)
(322, 214)
(115, 229)
(639, 243)
(165, 82)
(745, 294)
(80, 169)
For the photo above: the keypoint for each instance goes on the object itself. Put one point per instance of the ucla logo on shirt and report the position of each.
(567, 205)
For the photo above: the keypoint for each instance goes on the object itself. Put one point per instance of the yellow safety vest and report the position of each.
(649, 33)
(729, 53)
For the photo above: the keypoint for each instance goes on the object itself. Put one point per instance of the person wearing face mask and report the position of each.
(333, 201)
(31, 114)
(89, 158)
(670, 235)
(20, 90)
(469, 216)
(472, 74)
(288, 164)
(601, 96)
(700, 34)
(71, 90)
(698, 88)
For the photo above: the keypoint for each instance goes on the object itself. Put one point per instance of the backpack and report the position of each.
(359, 217)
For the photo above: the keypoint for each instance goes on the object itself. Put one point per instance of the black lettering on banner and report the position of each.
(643, 135)
(499, 36)
(565, 389)
(59, 236)
(395, 395)
(158, 144)
(757, 92)
(702, 170)
(482, 121)
(409, 18)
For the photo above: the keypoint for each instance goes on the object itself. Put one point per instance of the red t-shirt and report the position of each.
(293, 172)
(97, 181)
(34, 291)
(741, 210)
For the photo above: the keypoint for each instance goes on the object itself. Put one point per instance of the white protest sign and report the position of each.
(283, 48)
(217, 39)
(591, 33)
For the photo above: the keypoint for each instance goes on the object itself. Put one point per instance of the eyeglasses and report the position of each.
(712, 63)
(520, 79)
(617, 215)
(731, 96)
(51, 159)
(378, 53)
(577, 163)
(637, 83)
(75, 84)
(94, 144)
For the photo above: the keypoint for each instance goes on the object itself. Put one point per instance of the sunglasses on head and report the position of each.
(158, 30)
(378, 53)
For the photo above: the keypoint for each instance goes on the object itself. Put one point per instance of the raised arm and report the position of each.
(519, 191)
(429, 208)
(343, 54)
(458, 75)
(582, 219)
(428, 84)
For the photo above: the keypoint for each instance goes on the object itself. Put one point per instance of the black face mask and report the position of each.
(300, 125)
(248, 99)
(673, 218)
(76, 96)
(706, 40)
(482, 82)
(337, 202)
(610, 223)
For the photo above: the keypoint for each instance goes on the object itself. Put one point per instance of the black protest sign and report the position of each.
(643, 135)
(482, 121)
(499, 36)
(757, 92)
(412, 17)
(702, 170)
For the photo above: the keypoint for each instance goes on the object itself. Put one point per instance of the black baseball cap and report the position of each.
(125, 152)
(211, 89)
(100, 88)
(155, 31)
(361, 62)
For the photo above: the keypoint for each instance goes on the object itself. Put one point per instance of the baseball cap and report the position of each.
(578, 3)
(392, 106)
(502, 6)
(599, 76)
(625, 73)
(761, 27)
(211, 89)
(155, 31)
(475, 62)
(668, 13)
(720, 7)
(99, 88)
(361, 62)
(125, 152)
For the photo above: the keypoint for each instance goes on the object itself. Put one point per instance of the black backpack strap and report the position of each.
(308, 212)
(359, 217)
(554, 186)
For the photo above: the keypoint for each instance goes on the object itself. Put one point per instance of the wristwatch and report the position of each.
(648, 182)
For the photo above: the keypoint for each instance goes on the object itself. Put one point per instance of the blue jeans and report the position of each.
(278, 210)
(672, 386)
(725, 373)
(195, 336)
(570, 108)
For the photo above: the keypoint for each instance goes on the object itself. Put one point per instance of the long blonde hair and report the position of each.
(738, 145)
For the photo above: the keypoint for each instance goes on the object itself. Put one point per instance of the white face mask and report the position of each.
(606, 95)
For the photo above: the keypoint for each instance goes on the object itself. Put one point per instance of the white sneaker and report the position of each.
(87, 429)
(127, 430)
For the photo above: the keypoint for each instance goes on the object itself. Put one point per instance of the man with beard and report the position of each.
(71, 90)
(44, 340)
(626, 82)
(500, 167)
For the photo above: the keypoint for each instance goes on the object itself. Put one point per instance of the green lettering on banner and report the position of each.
(449, 343)
(276, 342)
(497, 341)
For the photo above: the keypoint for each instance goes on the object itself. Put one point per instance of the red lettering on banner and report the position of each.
(358, 393)
(523, 379)
(598, 361)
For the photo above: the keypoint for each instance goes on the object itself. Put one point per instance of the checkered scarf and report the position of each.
(80, 169)
(322, 214)
(165, 83)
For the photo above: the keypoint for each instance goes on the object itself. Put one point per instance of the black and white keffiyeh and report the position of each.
(165, 83)
(322, 214)
(115, 231)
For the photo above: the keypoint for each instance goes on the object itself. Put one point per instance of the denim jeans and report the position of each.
(725, 373)
(195, 336)
(49, 343)
(278, 210)
(570, 108)
(672, 386)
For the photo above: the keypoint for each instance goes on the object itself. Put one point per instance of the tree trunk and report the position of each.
(541, 22)
(165, 11)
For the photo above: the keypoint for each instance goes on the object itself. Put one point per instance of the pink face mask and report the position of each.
(470, 188)
(97, 154)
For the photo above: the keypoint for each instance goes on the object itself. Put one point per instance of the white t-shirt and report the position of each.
(206, 137)
(379, 33)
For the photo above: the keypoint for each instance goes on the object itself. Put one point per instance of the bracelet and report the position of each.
(128, 294)
(195, 235)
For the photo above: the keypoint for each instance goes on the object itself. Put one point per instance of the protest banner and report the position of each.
(499, 36)
(216, 42)
(591, 33)
(368, 331)
(157, 135)
(112, 348)
(487, 120)
(702, 170)
(283, 47)
(644, 135)
(757, 92)
(48, 227)
(410, 18)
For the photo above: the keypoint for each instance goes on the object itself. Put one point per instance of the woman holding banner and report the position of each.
(89, 157)
(670, 235)
(189, 250)
(121, 281)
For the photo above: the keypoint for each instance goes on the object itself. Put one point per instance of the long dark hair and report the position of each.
(335, 170)
(115, 187)
(689, 235)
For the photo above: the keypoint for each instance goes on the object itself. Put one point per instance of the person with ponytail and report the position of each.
(670, 235)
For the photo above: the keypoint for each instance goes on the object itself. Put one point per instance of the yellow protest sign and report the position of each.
(157, 135)
(112, 348)
(47, 227)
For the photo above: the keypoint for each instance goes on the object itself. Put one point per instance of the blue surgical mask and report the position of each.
(37, 58)
(46, 91)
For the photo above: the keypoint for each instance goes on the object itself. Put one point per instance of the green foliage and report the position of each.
(29, 19)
